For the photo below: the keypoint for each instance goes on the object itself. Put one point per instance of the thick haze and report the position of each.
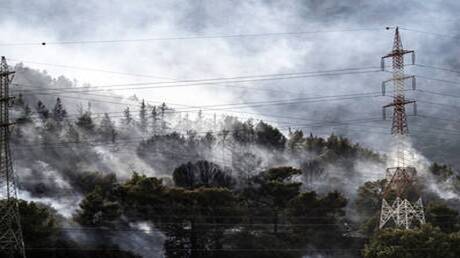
(54, 21)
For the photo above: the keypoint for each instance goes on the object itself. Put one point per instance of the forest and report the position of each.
(153, 181)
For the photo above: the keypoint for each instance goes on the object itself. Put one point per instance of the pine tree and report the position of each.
(143, 117)
(187, 125)
(42, 110)
(71, 133)
(163, 109)
(59, 112)
(85, 122)
(128, 119)
(107, 129)
(199, 121)
(155, 117)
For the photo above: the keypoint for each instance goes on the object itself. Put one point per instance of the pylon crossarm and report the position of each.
(398, 53)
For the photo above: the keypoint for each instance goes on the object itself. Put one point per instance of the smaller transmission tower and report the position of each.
(11, 242)
(400, 179)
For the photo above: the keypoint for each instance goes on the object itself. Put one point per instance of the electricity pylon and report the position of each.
(400, 179)
(11, 242)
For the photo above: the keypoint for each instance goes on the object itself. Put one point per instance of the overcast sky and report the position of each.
(62, 20)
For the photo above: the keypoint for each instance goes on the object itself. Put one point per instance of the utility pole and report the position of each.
(11, 242)
(399, 189)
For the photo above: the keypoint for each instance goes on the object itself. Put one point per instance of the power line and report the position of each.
(457, 83)
(91, 69)
(227, 106)
(438, 68)
(209, 81)
(440, 104)
(194, 37)
(439, 93)
(230, 106)
(432, 33)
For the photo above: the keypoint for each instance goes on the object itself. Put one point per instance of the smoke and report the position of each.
(65, 206)
(180, 59)
(144, 239)
(53, 175)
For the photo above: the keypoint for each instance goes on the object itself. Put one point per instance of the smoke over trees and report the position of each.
(152, 181)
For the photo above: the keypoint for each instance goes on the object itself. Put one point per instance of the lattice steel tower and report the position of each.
(11, 242)
(407, 207)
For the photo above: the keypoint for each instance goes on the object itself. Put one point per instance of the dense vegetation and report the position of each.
(216, 187)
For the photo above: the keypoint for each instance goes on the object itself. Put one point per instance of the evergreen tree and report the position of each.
(296, 141)
(85, 122)
(128, 119)
(202, 174)
(269, 136)
(199, 121)
(59, 112)
(143, 117)
(163, 110)
(243, 133)
(107, 129)
(42, 110)
(208, 141)
(271, 191)
(186, 123)
(72, 133)
(155, 118)
(97, 210)
(427, 241)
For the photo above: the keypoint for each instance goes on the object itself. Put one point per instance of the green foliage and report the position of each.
(246, 165)
(270, 192)
(39, 227)
(208, 140)
(85, 122)
(72, 133)
(441, 171)
(192, 219)
(59, 112)
(336, 147)
(42, 110)
(166, 152)
(428, 241)
(312, 170)
(143, 116)
(197, 220)
(243, 132)
(369, 197)
(87, 181)
(295, 142)
(143, 197)
(97, 209)
(368, 202)
(202, 174)
(440, 215)
(269, 137)
(200, 221)
(106, 130)
(257, 244)
(127, 117)
(318, 217)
